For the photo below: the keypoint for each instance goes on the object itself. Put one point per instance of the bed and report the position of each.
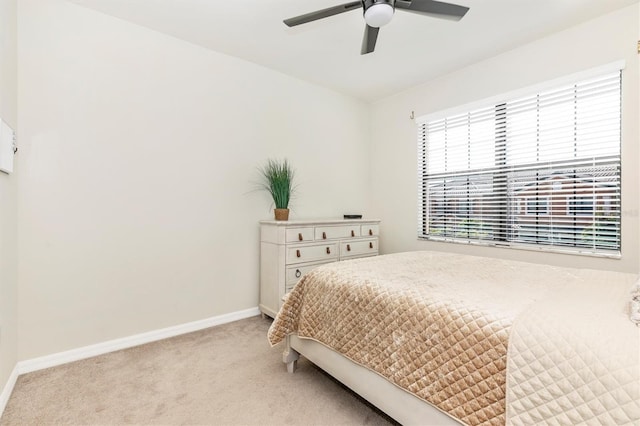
(440, 338)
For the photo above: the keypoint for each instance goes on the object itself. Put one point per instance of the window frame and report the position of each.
(521, 206)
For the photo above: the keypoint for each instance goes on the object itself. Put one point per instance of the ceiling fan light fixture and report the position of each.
(378, 14)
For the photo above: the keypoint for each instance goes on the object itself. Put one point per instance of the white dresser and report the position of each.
(289, 249)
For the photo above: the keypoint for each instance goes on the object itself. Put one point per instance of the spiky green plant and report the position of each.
(278, 181)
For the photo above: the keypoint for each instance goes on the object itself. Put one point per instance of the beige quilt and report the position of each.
(574, 357)
(434, 324)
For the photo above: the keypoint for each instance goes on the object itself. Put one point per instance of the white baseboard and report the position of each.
(59, 358)
(8, 388)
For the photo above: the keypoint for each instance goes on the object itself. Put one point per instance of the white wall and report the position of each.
(394, 178)
(8, 197)
(138, 153)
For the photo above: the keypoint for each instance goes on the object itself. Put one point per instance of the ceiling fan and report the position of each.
(379, 12)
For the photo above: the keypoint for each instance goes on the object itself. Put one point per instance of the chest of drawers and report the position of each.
(290, 249)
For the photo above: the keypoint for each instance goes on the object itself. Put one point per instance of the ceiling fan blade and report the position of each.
(369, 39)
(433, 8)
(324, 13)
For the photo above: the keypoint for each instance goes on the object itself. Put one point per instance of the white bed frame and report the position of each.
(399, 404)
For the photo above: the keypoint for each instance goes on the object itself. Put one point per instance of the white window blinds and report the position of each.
(542, 170)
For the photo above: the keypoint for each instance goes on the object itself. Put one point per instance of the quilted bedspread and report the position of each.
(574, 357)
(438, 325)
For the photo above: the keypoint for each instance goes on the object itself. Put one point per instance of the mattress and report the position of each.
(438, 325)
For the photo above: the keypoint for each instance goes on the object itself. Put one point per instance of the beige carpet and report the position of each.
(225, 375)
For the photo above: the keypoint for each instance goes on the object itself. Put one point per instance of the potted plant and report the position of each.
(277, 179)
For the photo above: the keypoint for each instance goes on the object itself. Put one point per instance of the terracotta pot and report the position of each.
(281, 214)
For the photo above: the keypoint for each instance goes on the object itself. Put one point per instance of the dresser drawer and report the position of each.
(359, 248)
(312, 253)
(294, 273)
(334, 232)
(369, 230)
(294, 235)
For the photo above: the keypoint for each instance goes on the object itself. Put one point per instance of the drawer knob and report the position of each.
(324, 235)
(300, 236)
(328, 250)
(370, 231)
(348, 247)
(353, 234)
(297, 253)
(370, 245)
(298, 273)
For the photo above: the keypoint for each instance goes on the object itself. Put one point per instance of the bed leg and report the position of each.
(290, 357)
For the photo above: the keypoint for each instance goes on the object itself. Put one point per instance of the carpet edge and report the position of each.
(8, 389)
(59, 358)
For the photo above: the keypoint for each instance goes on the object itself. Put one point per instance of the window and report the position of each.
(541, 171)
(582, 206)
(537, 206)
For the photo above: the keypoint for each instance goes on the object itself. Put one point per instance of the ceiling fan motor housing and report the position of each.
(377, 12)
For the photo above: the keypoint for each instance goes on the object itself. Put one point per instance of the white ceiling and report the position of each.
(411, 49)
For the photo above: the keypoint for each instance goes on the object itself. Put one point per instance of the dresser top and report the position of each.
(317, 222)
